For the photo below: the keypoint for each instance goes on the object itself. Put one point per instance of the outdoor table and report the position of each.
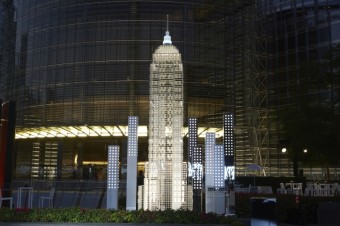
(30, 196)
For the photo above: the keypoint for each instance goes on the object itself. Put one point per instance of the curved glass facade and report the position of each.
(82, 67)
(303, 31)
(85, 62)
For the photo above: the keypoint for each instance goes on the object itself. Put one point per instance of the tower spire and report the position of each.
(167, 22)
(167, 37)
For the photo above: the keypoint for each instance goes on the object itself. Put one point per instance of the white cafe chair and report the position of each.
(297, 189)
(309, 190)
(49, 198)
(282, 189)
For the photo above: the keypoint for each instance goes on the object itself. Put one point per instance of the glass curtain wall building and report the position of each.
(7, 42)
(247, 69)
(303, 32)
(82, 67)
(268, 43)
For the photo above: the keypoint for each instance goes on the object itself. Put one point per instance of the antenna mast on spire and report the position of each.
(167, 37)
(167, 22)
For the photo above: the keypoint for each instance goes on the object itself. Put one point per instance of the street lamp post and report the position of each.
(283, 151)
(295, 164)
(300, 170)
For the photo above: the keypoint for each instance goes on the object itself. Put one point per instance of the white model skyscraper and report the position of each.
(164, 184)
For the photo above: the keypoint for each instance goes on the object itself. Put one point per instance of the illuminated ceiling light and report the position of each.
(96, 131)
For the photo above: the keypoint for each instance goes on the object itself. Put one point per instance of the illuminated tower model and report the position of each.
(164, 177)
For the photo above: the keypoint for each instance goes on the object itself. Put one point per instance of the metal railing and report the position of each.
(73, 193)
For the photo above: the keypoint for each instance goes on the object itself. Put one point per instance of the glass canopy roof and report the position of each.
(95, 131)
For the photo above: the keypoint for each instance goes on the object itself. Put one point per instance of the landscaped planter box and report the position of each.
(79, 216)
(103, 224)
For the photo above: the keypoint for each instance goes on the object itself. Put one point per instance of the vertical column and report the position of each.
(112, 177)
(219, 184)
(41, 159)
(60, 159)
(192, 141)
(219, 167)
(147, 192)
(197, 176)
(193, 168)
(2, 152)
(214, 176)
(197, 168)
(7, 134)
(131, 186)
(209, 171)
(228, 126)
(79, 160)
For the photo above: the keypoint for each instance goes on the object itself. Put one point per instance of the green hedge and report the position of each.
(288, 211)
(80, 215)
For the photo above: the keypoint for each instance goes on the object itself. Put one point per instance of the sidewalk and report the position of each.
(247, 222)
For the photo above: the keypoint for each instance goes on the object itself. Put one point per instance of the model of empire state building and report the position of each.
(165, 173)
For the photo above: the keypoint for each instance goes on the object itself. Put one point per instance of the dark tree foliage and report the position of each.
(312, 121)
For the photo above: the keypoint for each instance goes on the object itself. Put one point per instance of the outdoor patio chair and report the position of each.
(49, 198)
(309, 190)
(10, 199)
(282, 189)
(297, 189)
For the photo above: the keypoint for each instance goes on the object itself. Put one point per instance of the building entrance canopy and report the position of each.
(95, 131)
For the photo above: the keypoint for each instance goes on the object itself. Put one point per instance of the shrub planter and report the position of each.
(103, 224)
(90, 217)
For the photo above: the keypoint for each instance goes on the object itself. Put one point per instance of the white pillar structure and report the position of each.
(112, 177)
(228, 128)
(219, 180)
(219, 167)
(192, 140)
(209, 172)
(132, 152)
(214, 176)
(163, 181)
(197, 169)
(209, 159)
